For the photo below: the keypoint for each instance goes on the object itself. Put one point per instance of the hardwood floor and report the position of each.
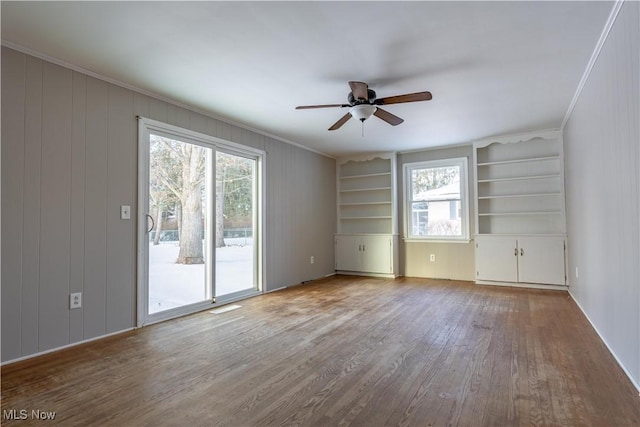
(342, 351)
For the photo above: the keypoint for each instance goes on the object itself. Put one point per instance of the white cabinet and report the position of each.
(360, 253)
(519, 205)
(496, 258)
(521, 259)
(541, 259)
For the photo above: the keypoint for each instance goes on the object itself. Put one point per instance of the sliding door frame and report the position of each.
(146, 127)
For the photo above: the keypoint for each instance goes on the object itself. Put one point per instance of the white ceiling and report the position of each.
(492, 67)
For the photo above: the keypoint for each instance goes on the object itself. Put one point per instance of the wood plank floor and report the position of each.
(342, 351)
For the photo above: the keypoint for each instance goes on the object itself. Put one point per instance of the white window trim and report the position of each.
(463, 162)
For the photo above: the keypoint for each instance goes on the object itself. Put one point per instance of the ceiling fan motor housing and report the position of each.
(371, 95)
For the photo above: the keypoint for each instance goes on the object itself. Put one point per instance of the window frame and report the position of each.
(408, 168)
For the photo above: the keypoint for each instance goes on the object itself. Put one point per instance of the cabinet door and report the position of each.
(377, 254)
(348, 253)
(496, 258)
(541, 260)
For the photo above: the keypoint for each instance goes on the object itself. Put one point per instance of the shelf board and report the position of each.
(525, 234)
(365, 189)
(530, 159)
(368, 175)
(520, 178)
(350, 218)
(365, 203)
(521, 213)
(506, 196)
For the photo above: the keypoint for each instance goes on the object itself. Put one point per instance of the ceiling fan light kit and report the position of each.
(363, 103)
(362, 111)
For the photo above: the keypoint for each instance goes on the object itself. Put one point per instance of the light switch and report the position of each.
(125, 212)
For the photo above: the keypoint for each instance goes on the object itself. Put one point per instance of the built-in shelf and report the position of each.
(366, 194)
(519, 186)
(367, 240)
(520, 213)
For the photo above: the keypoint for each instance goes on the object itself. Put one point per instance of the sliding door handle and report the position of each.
(153, 223)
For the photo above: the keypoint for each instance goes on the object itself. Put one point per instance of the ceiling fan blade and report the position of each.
(388, 117)
(340, 122)
(398, 99)
(307, 107)
(360, 90)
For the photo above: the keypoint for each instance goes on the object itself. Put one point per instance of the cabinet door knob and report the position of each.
(521, 252)
(515, 252)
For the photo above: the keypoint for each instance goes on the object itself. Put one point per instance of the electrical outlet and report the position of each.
(432, 257)
(312, 259)
(75, 300)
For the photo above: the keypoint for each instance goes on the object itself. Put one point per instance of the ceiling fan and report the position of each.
(363, 104)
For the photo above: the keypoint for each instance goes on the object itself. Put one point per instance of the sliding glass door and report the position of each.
(198, 222)
(236, 218)
(179, 242)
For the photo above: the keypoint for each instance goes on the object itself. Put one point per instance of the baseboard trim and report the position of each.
(523, 285)
(627, 373)
(75, 344)
(362, 273)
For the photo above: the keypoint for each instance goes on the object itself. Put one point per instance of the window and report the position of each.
(436, 200)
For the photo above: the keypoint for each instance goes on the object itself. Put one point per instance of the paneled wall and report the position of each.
(453, 260)
(602, 173)
(69, 160)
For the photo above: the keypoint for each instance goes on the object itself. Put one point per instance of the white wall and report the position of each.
(453, 260)
(602, 158)
(69, 156)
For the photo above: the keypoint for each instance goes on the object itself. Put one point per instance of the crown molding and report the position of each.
(592, 61)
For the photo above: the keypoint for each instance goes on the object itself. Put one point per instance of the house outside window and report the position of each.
(436, 200)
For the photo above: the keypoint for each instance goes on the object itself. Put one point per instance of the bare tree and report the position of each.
(193, 162)
(234, 193)
(178, 169)
(221, 171)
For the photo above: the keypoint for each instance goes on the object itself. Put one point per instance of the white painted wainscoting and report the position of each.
(602, 174)
(69, 156)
